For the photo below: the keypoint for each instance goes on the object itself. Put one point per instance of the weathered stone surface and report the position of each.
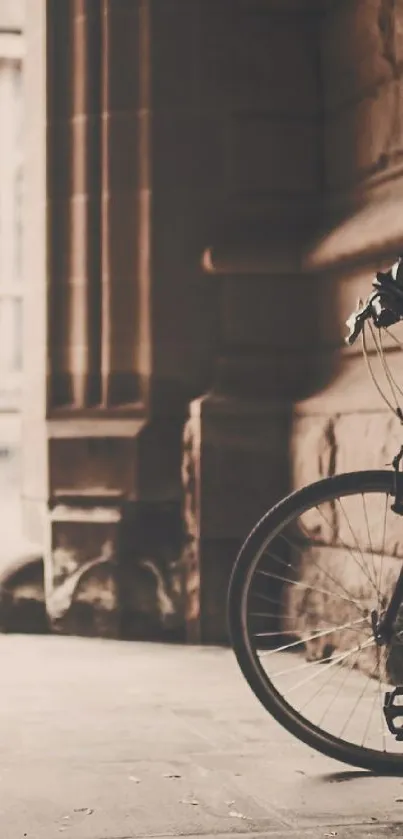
(313, 458)
(22, 597)
(269, 155)
(256, 310)
(323, 446)
(312, 450)
(152, 572)
(191, 510)
(368, 442)
(349, 392)
(244, 50)
(81, 569)
(192, 587)
(363, 138)
(151, 604)
(190, 477)
(217, 560)
(233, 471)
(362, 50)
(359, 39)
(241, 463)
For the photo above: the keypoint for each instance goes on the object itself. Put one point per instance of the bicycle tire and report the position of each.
(294, 504)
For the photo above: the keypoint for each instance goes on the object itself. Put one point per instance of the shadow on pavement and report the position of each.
(353, 774)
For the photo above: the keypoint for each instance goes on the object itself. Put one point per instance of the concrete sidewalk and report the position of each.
(109, 740)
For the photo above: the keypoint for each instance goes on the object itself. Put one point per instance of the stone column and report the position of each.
(261, 76)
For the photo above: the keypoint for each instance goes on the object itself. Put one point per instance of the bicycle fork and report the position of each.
(383, 625)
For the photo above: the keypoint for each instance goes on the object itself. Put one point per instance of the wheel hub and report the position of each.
(382, 634)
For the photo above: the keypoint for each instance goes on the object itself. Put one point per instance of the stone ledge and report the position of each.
(22, 596)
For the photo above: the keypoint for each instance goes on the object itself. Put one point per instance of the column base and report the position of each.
(81, 566)
(235, 467)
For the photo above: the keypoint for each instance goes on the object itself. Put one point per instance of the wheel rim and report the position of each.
(316, 654)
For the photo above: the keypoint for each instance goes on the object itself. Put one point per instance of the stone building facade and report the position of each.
(209, 187)
(11, 110)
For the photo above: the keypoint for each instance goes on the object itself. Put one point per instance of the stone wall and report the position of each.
(184, 139)
(362, 80)
(12, 14)
(213, 144)
(345, 426)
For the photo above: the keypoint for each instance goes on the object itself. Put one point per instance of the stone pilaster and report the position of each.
(236, 449)
(121, 337)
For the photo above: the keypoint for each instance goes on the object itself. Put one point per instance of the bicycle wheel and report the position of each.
(300, 601)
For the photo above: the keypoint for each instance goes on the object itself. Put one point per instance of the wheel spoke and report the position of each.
(319, 665)
(319, 634)
(361, 565)
(373, 706)
(383, 550)
(357, 701)
(349, 669)
(307, 587)
(264, 597)
(370, 544)
(316, 564)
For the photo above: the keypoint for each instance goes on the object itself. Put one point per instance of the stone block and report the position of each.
(121, 156)
(368, 442)
(175, 54)
(349, 388)
(235, 466)
(288, 376)
(81, 568)
(217, 558)
(12, 14)
(152, 573)
(264, 311)
(122, 56)
(191, 565)
(353, 52)
(34, 460)
(189, 150)
(207, 566)
(91, 465)
(361, 138)
(22, 597)
(241, 463)
(326, 445)
(312, 459)
(246, 50)
(269, 153)
(312, 450)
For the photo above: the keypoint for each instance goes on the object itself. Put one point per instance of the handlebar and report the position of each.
(384, 305)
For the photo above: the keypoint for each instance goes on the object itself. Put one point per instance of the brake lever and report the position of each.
(357, 319)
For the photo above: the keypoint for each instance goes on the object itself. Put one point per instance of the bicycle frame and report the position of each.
(383, 627)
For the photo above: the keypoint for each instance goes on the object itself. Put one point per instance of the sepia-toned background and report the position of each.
(193, 195)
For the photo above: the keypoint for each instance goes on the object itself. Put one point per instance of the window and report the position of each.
(11, 186)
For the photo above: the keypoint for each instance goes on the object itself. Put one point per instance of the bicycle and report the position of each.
(315, 617)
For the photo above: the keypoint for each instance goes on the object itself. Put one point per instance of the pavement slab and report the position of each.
(116, 740)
